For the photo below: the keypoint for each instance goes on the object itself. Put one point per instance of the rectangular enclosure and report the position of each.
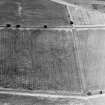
(91, 49)
(38, 60)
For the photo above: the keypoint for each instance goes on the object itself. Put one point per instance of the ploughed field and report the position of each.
(38, 60)
(26, 100)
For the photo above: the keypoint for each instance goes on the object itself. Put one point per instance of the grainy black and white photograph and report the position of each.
(52, 52)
